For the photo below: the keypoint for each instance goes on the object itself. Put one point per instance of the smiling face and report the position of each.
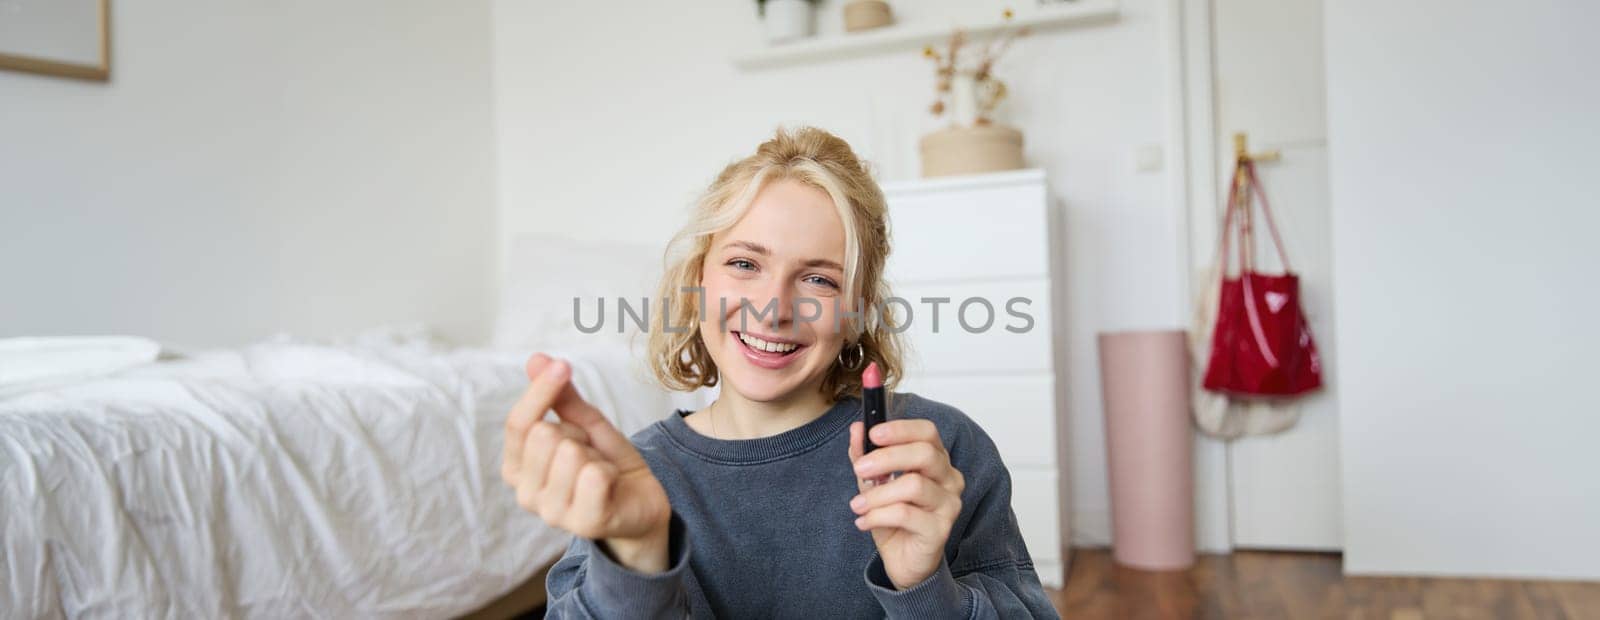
(780, 271)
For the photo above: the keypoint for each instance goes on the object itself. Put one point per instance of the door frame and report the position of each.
(1192, 138)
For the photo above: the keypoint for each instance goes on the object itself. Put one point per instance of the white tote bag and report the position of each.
(1216, 414)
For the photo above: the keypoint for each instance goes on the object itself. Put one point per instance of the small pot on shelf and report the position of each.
(971, 150)
(862, 15)
(786, 20)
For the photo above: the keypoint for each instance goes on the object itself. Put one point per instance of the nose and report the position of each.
(774, 305)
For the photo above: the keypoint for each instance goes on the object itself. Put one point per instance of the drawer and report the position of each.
(1018, 411)
(966, 234)
(946, 347)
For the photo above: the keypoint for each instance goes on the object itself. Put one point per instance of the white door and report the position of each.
(1268, 83)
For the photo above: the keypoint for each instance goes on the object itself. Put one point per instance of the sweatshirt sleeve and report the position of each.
(993, 574)
(1005, 591)
(587, 583)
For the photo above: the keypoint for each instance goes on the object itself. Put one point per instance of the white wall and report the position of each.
(304, 166)
(1463, 159)
(610, 118)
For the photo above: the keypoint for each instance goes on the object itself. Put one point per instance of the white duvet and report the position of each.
(284, 479)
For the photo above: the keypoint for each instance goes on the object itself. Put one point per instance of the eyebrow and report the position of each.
(762, 250)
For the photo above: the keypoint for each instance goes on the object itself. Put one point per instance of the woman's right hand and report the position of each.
(580, 473)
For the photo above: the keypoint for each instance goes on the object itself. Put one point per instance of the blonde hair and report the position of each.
(814, 157)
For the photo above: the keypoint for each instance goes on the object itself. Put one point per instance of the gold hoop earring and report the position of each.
(860, 357)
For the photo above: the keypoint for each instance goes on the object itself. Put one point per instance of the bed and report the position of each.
(287, 478)
(346, 478)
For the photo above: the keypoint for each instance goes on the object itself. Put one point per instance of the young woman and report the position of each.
(763, 503)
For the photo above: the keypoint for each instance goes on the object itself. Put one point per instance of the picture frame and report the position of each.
(61, 38)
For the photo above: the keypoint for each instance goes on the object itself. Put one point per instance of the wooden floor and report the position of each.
(1304, 585)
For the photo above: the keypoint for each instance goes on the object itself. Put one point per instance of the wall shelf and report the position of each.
(910, 36)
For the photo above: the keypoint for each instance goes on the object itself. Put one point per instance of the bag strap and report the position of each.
(1226, 234)
(1266, 210)
(1244, 177)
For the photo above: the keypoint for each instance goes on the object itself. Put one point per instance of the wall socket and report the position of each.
(1148, 158)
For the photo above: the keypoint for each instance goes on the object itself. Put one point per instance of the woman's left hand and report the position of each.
(911, 515)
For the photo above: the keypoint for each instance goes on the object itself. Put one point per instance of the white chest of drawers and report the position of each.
(987, 240)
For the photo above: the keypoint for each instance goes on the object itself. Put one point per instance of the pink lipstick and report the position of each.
(872, 409)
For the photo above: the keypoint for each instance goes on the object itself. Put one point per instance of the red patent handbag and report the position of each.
(1262, 345)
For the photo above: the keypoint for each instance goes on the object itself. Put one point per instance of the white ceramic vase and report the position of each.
(787, 20)
(964, 99)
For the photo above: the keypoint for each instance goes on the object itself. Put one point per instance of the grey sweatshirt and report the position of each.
(763, 528)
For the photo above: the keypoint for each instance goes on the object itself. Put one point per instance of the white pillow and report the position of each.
(544, 273)
(32, 363)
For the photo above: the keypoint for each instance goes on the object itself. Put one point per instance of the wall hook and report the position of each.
(1241, 151)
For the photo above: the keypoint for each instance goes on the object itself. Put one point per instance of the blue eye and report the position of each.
(822, 281)
(739, 263)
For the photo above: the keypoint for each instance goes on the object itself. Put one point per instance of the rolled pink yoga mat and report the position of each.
(1145, 382)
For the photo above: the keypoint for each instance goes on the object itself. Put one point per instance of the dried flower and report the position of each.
(989, 91)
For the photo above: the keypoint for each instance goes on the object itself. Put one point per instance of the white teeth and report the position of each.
(770, 347)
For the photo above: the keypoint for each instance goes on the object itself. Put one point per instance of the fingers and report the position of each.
(517, 424)
(573, 408)
(591, 497)
(912, 488)
(551, 388)
(567, 470)
(537, 450)
(855, 441)
(920, 457)
(547, 483)
(856, 450)
(603, 435)
(535, 401)
(515, 447)
(543, 389)
(535, 365)
(905, 430)
(910, 445)
(922, 523)
(556, 493)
